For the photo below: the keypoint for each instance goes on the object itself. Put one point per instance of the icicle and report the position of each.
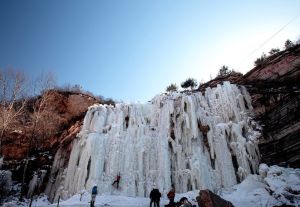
(1, 162)
(32, 185)
(6, 182)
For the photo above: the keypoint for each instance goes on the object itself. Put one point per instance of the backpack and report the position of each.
(94, 190)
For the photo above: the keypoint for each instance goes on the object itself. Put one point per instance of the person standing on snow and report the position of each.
(171, 197)
(94, 194)
(155, 197)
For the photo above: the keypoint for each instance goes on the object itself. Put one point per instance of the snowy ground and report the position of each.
(273, 187)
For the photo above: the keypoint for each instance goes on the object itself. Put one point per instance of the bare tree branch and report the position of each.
(12, 99)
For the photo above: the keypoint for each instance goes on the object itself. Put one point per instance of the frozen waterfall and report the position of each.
(192, 141)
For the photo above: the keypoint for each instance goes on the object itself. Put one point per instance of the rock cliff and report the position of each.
(63, 120)
(275, 91)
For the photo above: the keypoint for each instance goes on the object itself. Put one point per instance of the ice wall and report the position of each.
(193, 141)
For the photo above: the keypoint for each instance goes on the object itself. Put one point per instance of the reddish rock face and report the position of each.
(60, 125)
(11, 151)
(63, 110)
(207, 198)
(275, 91)
(279, 67)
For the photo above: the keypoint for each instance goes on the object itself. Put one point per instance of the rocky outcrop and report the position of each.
(63, 109)
(275, 91)
(61, 159)
(207, 198)
(65, 113)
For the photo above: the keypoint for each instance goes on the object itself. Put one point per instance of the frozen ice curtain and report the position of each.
(192, 141)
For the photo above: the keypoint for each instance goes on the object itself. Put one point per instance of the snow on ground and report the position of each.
(41, 201)
(122, 201)
(273, 187)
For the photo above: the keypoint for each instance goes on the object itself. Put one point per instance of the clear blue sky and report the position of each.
(131, 50)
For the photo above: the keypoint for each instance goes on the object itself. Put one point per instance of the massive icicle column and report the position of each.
(192, 141)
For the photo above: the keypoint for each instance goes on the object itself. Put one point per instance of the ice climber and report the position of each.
(155, 197)
(117, 180)
(94, 194)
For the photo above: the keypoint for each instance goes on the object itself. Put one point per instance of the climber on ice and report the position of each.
(117, 180)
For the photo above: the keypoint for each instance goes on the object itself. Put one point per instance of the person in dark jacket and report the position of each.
(94, 194)
(155, 197)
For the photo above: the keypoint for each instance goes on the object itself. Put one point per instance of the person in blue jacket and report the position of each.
(94, 194)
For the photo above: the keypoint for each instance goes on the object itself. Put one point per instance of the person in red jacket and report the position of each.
(117, 180)
(171, 196)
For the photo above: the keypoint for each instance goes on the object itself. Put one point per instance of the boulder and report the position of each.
(207, 198)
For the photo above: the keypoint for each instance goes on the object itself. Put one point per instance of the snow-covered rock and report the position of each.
(5, 183)
(276, 186)
(263, 170)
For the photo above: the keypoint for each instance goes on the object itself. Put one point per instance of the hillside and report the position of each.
(61, 120)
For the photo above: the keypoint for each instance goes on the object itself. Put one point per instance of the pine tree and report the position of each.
(190, 82)
(172, 87)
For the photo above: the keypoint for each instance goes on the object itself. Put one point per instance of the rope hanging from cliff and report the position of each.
(271, 37)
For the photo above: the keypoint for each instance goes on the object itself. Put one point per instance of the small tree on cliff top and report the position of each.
(172, 87)
(190, 82)
(288, 44)
(274, 51)
(223, 71)
(261, 60)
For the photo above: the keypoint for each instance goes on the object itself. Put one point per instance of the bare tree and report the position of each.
(42, 86)
(12, 99)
